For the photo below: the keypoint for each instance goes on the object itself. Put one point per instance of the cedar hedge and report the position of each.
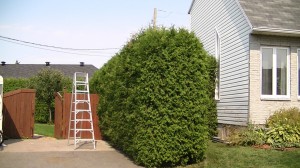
(11, 84)
(157, 96)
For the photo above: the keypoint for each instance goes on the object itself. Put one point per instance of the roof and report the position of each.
(30, 70)
(275, 16)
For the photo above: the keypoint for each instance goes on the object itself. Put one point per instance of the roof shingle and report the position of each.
(30, 70)
(273, 14)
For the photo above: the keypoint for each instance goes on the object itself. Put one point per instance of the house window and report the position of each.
(275, 72)
(217, 55)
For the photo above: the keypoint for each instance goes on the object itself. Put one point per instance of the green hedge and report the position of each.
(156, 97)
(41, 114)
(11, 84)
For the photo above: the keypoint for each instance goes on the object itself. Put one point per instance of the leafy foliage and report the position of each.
(47, 82)
(156, 98)
(251, 135)
(282, 130)
(290, 116)
(41, 114)
(11, 84)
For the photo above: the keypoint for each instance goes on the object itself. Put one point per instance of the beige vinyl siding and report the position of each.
(233, 29)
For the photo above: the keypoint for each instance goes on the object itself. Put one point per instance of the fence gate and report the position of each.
(18, 113)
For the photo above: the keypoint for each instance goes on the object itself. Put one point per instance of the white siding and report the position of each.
(228, 19)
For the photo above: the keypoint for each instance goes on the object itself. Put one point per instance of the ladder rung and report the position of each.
(87, 129)
(81, 101)
(81, 129)
(81, 91)
(85, 140)
(82, 120)
(81, 82)
(82, 110)
(71, 137)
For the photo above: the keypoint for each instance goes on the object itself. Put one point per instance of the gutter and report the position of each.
(276, 31)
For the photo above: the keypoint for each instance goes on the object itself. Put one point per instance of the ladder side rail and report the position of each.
(90, 112)
(71, 110)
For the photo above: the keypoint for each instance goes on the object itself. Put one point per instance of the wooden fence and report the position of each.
(18, 113)
(62, 114)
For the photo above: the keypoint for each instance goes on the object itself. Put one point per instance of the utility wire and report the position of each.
(53, 49)
(50, 46)
(171, 12)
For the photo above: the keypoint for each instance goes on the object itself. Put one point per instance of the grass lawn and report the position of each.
(221, 155)
(44, 129)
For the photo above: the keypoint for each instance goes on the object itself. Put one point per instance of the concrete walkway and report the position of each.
(50, 152)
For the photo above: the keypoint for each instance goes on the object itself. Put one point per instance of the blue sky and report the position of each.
(80, 24)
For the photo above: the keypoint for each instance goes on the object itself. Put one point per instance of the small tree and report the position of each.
(46, 83)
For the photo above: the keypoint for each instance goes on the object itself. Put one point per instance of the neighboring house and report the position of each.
(257, 43)
(30, 70)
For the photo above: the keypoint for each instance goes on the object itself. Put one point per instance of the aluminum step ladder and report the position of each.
(81, 119)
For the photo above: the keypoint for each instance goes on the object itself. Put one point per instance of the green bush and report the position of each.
(282, 130)
(11, 84)
(156, 98)
(212, 106)
(41, 114)
(252, 135)
(290, 116)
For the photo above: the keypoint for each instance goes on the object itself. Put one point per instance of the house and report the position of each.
(30, 70)
(257, 44)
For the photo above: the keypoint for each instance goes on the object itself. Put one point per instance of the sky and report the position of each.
(105, 25)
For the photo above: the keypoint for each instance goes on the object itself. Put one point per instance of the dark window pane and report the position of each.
(281, 87)
(267, 67)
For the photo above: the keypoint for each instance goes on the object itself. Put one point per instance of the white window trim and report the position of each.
(218, 58)
(273, 96)
(298, 80)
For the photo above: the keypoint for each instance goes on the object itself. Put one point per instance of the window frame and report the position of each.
(218, 58)
(274, 75)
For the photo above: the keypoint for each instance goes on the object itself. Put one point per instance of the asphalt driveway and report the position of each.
(49, 152)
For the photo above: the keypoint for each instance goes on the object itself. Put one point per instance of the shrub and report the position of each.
(41, 114)
(282, 130)
(290, 116)
(155, 98)
(252, 135)
(11, 84)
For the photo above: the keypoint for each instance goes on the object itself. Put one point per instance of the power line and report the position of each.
(172, 12)
(53, 49)
(56, 47)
